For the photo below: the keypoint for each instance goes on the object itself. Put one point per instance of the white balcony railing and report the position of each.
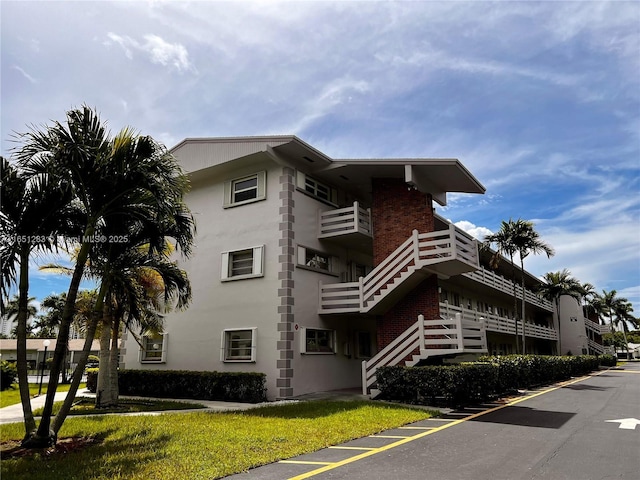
(493, 280)
(495, 323)
(596, 327)
(344, 221)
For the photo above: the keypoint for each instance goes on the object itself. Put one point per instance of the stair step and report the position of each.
(374, 393)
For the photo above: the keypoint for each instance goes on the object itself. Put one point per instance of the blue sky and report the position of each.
(540, 100)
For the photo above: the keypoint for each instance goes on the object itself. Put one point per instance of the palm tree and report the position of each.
(622, 309)
(526, 241)
(556, 285)
(589, 291)
(127, 180)
(144, 288)
(613, 309)
(604, 305)
(12, 309)
(503, 240)
(35, 210)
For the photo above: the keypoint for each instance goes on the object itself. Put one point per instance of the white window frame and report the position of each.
(310, 186)
(257, 269)
(261, 189)
(225, 349)
(143, 349)
(303, 341)
(309, 265)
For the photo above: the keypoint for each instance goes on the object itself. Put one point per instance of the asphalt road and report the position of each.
(563, 433)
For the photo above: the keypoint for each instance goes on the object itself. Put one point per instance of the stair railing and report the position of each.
(395, 263)
(393, 353)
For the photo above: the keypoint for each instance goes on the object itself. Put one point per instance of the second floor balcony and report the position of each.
(496, 323)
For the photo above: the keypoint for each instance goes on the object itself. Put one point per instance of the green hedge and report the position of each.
(222, 386)
(608, 360)
(439, 385)
(490, 377)
(8, 374)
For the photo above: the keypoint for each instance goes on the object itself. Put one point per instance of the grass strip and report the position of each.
(203, 445)
(11, 396)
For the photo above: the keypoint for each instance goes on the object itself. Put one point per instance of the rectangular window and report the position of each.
(317, 189)
(317, 341)
(240, 264)
(239, 345)
(244, 190)
(154, 349)
(314, 260)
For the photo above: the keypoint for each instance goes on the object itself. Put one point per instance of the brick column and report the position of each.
(396, 211)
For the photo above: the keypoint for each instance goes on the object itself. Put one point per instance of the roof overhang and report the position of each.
(435, 176)
(204, 157)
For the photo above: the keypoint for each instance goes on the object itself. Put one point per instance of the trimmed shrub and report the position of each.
(8, 374)
(434, 385)
(222, 386)
(608, 360)
(492, 376)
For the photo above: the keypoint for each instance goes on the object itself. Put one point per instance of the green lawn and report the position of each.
(203, 445)
(11, 396)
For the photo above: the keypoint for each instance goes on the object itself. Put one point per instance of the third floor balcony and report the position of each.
(350, 225)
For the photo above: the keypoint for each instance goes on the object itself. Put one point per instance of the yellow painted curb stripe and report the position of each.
(370, 453)
(415, 428)
(388, 436)
(302, 462)
(352, 448)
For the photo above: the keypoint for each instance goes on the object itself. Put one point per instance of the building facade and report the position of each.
(316, 271)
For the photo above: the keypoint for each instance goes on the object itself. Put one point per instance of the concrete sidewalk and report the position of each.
(13, 413)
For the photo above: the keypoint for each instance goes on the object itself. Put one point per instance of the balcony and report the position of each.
(350, 225)
(444, 252)
(495, 323)
(497, 282)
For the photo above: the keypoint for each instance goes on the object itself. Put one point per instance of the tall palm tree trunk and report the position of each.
(557, 302)
(113, 362)
(82, 361)
(515, 301)
(524, 296)
(21, 334)
(102, 394)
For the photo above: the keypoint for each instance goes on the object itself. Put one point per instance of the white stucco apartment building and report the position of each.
(306, 266)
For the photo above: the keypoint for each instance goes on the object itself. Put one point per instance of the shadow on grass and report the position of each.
(312, 408)
(105, 458)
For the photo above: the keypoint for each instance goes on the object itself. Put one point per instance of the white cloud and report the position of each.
(473, 230)
(24, 74)
(166, 53)
(157, 49)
